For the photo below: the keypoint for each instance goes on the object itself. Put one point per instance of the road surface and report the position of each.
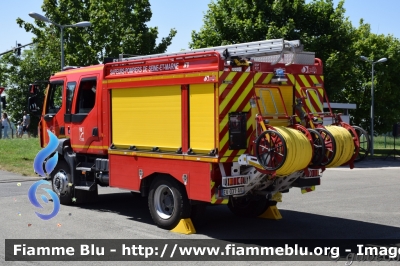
(359, 203)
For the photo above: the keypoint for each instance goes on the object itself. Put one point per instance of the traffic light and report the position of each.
(3, 102)
(18, 50)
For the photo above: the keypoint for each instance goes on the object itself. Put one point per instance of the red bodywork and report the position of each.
(90, 133)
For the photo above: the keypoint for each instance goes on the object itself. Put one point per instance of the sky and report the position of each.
(187, 15)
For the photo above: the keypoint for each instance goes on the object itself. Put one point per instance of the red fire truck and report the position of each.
(236, 125)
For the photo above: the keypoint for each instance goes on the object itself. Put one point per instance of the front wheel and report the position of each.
(168, 202)
(62, 183)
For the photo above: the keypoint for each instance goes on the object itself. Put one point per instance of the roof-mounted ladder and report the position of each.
(243, 50)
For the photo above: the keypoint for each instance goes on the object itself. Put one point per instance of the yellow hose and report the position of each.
(344, 145)
(299, 151)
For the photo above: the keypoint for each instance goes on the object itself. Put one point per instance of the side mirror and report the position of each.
(32, 105)
(33, 88)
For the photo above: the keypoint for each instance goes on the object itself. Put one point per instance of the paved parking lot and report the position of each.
(362, 203)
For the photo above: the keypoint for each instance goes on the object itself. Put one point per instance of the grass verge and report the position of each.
(17, 155)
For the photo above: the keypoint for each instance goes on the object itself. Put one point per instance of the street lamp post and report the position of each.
(45, 19)
(372, 97)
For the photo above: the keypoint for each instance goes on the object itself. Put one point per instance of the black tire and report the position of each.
(197, 212)
(61, 180)
(168, 202)
(365, 143)
(248, 206)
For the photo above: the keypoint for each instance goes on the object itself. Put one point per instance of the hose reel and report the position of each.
(330, 146)
(346, 145)
(284, 150)
(318, 148)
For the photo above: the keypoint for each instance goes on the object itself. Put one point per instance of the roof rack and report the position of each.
(249, 49)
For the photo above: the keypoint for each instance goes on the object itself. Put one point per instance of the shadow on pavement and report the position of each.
(218, 222)
(378, 163)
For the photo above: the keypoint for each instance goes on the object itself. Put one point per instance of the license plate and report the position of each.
(232, 191)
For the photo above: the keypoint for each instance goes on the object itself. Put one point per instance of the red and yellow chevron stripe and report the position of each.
(265, 78)
(214, 192)
(235, 91)
(309, 86)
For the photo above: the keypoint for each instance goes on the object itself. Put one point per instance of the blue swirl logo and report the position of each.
(44, 154)
(49, 164)
(35, 202)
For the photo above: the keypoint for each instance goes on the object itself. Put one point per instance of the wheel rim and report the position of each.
(319, 147)
(60, 182)
(271, 150)
(164, 202)
(330, 146)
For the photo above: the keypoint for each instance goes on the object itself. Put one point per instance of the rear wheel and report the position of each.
(197, 213)
(168, 202)
(248, 206)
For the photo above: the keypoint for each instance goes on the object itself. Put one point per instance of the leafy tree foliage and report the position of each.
(322, 28)
(18, 73)
(358, 80)
(118, 27)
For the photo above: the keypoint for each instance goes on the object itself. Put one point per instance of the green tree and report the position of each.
(18, 73)
(118, 26)
(322, 28)
(319, 26)
(357, 87)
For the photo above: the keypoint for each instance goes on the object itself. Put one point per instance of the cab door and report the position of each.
(84, 126)
(53, 113)
(69, 97)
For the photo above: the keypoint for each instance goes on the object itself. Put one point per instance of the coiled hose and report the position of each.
(344, 145)
(299, 151)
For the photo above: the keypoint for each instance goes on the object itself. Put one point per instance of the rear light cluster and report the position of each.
(231, 181)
